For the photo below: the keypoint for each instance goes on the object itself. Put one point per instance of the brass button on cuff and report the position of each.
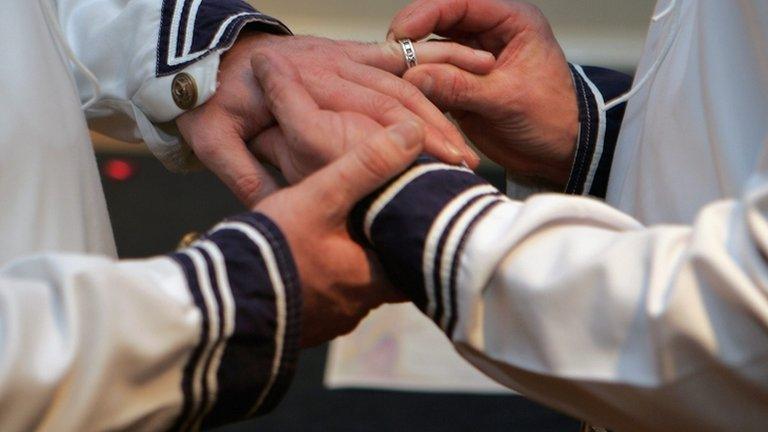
(184, 91)
(188, 239)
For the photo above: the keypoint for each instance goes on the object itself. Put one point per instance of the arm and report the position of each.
(581, 307)
(202, 337)
(156, 65)
(132, 52)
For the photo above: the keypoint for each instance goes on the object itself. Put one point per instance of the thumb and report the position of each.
(451, 88)
(368, 166)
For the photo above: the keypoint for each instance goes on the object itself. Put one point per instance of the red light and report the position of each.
(118, 169)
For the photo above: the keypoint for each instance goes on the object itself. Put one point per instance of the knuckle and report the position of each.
(457, 86)
(373, 160)
(388, 107)
(249, 188)
(530, 8)
(266, 51)
(409, 92)
(532, 13)
(206, 150)
(319, 78)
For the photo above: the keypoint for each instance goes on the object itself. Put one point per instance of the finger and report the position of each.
(424, 17)
(453, 89)
(389, 56)
(416, 102)
(228, 157)
(337, 94)
(442, 52)
(270, 146)
(273, 146)
(367, 167)
(285, 93)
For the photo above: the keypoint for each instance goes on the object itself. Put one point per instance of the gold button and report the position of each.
(188, 239)
(184, 91)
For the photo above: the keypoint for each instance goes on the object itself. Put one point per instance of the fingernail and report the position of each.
(390, 36)
(485, 55)
(453, 149)
(475, 156)
(405, 134)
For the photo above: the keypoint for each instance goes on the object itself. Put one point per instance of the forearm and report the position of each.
(205, 336)
(580, 306)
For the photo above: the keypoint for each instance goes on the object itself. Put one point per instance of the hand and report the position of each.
(340, 282)
(342, 76)
(523, 114)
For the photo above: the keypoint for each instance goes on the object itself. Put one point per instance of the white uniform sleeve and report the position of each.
(203, 337)
(581, 307)
(135, 48)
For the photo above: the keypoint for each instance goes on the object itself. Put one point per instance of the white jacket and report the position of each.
(202, 337)
(649, 312)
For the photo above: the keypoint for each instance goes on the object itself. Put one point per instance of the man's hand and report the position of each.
(341, 76)
(524, 114)
(340, 281)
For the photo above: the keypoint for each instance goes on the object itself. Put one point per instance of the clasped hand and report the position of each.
(235, 129)
(301, 103)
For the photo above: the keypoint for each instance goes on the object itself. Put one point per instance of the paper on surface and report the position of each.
(398, 348)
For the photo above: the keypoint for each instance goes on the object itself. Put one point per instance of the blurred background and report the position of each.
(151, 209)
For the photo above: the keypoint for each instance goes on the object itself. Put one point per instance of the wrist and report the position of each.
(561, 125)
(234, 59)
(248, 40)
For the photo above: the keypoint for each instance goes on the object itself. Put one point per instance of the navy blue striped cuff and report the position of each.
(599, 128)
(191, 30)
(418, 226)
(243, 279)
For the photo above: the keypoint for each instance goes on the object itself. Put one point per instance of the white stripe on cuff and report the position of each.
(600, 140)
(206, 291)
(391, 192)
(436, 232)
(228, 308)
(451, 245)
(280, 301)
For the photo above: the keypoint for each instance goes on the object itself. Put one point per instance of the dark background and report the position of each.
(153, 209)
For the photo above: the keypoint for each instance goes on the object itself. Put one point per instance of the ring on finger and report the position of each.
(409, 51)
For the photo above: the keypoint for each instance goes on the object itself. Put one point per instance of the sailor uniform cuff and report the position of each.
(598, 128)
(418, 224)
(243, 279)
(186, 70)
(191, 38)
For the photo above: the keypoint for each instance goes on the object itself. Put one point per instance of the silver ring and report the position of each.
(410, 53)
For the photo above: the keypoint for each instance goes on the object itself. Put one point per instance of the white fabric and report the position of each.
(120, 367)
(117, 41)
(91, 344)
(50, 189)
(692, 135)
(658, 320)
(398, 348)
